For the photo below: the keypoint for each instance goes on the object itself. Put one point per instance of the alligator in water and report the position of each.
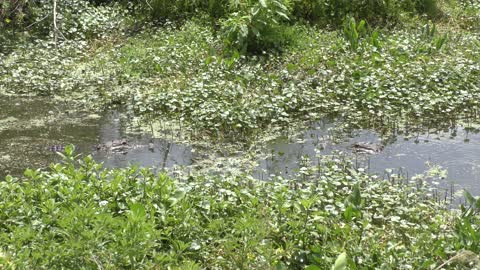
(56, 148)
(115, 146)
(366, 148)
(120, 146)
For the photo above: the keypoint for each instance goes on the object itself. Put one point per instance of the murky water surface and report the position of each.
(456, 149)
(30, 126)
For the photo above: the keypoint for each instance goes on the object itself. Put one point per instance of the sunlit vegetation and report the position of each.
(235, 71)
(80, 214)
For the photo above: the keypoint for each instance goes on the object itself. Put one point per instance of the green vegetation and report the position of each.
(411, 76)
(238, 72)
(78, 214)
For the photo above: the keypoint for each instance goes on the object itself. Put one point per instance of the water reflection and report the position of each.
(456, 149)
(30, 126)
(142, 149)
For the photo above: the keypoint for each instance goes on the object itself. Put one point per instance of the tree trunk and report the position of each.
(55, 29)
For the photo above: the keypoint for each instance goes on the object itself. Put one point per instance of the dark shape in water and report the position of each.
(366, 148)
(56, 148)
(115, 146)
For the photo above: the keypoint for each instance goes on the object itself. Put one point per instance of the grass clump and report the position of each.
(79, 214)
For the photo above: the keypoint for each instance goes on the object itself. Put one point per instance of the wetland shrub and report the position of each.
(13, 13)
(76, 19)
(179, 73)
(325, 12)
(257, 27)
(79, 215)
(332, 12)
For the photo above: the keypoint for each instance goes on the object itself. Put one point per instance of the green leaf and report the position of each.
(361, 28)
(313, 267)
(340, 262)
(263, 3)
(137, 211)
(283, 15)
(470, 199)
(69, 149)
(348, 214)
(355, 197)
(177, 197)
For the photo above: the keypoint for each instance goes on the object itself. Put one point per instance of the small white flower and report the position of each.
(103, 203)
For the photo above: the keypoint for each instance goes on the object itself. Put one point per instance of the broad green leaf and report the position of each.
(283, 15)
(348, 213)
(355, 197)
(340, 262)
(137, 211)
(470, 199)
(177, 197)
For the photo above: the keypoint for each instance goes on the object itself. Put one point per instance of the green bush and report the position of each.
(167, 9)
(81, 216)
(13, 12)
(333, 12)
(428, 7)
(256, 26)
(172, 9)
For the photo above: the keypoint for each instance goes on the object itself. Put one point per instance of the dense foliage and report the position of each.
(83, 215)
(12, 12)
(407, 76)
(247, 25)
(237, 71)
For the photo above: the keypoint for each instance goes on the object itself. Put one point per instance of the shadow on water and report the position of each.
(30, 126)
(457, 150)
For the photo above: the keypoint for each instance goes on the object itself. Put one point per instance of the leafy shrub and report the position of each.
(428, 7)
(465, 226)
(172, 9)
(14, 15)
(247, 25)
(353, 32)
(333, 12)
(13, 12)
(256, 26)
(76, 19)
(431, 40)
(167, 9)
(81, 20)
(79, 214)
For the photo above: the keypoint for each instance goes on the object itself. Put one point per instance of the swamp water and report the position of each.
(456, 150)
(29, 126)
